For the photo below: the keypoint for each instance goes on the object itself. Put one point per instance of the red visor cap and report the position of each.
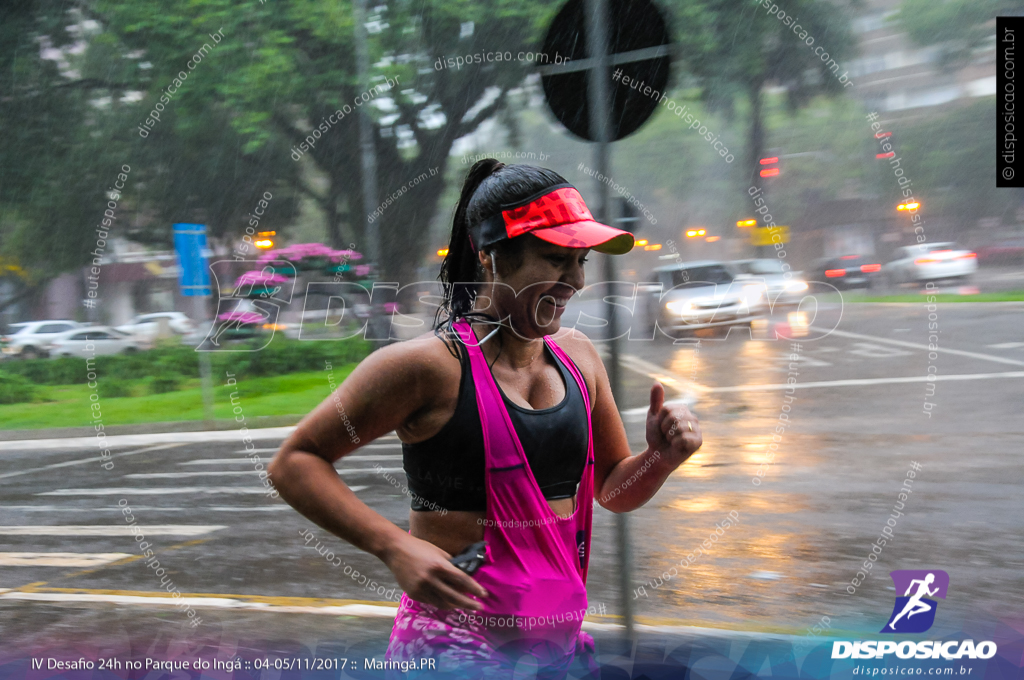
(558, 216)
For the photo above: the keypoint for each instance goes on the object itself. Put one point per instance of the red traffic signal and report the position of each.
(770, 172)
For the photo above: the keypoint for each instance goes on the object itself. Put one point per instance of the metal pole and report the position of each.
(599, 98)
(205, 370)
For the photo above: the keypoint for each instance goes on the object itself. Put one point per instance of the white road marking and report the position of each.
(363, 610)
(57, 559)
(165, 491)
(141, 508)
(868, 381)
(110, 530)
(217, 461)
(83, 461)
(915, 345)
(385, 610)
(685, 387)
(392, 445)
(154, 438)
(873, 351)
(639, 413)
(352, 457)
(225, 473)
(803, 360)
(279, 433)
(1007, 345)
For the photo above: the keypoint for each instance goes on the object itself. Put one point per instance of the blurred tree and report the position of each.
(54, 164)
(734, 48)
(65, 85)
(958, 26)
(285, 67)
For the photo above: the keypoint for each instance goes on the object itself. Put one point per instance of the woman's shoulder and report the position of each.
(426, 356)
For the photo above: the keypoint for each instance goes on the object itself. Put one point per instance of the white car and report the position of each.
(147, 325)
(31, 339)
(698, 295)
(930, 262)
(103, 340)
(780, 290)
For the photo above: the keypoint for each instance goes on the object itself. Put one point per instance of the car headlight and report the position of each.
(679, 307)
(752, 293)
(795, 286)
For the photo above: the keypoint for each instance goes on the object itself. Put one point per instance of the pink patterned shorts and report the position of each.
(465, 649)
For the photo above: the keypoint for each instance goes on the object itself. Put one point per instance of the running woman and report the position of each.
(507, 437)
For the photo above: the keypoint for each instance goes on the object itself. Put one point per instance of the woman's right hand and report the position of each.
(426, 575)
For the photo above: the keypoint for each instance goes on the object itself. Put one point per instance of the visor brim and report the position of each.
(588, 234)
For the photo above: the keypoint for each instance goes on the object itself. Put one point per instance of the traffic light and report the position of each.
(770, 171)
(264, 240)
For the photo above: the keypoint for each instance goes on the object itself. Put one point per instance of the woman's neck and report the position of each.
(506, 346)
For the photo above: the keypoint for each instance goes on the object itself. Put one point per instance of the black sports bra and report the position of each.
(447, 470)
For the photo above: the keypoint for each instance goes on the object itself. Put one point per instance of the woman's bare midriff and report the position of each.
(453, 532)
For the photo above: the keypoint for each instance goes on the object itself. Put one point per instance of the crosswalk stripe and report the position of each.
(110, 530)
(396, 444)
(223, 473)
(83, 461)
(208, 437)
(165, 491)
(191, 508)
(352, 457)
(58, 559)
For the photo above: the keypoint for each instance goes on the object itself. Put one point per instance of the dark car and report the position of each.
(849, 271)
(1007, 251)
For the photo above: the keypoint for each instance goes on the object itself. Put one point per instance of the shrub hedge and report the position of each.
(173, 363)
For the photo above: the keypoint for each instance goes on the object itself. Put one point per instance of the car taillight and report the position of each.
(866, 268)
(833, 273)
(966, 256)
(924, 260)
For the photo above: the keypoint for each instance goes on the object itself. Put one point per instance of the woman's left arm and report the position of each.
(622, 481)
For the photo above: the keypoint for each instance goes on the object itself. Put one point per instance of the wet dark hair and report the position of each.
(489, 185)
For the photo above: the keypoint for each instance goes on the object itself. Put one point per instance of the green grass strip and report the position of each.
(69, 406)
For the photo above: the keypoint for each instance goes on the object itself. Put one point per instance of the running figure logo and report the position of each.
(916, 586)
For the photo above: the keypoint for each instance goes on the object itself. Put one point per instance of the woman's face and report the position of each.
(533, 296)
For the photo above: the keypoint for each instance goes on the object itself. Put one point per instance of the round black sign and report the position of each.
(638, 80)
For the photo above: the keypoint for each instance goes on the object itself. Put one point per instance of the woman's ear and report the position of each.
(486, 261)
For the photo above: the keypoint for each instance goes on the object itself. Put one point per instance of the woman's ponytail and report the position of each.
(459, 268)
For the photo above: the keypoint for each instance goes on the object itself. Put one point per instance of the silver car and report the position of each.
(779, 289)
(31, 340)
(931, 262)
(703, 294)
(94, 341)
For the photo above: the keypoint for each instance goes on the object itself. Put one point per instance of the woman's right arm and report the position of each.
(380, 395)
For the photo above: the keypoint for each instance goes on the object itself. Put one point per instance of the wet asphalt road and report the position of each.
(856, 426)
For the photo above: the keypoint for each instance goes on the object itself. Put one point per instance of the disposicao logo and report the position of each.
(917, 586)
(914, 612)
